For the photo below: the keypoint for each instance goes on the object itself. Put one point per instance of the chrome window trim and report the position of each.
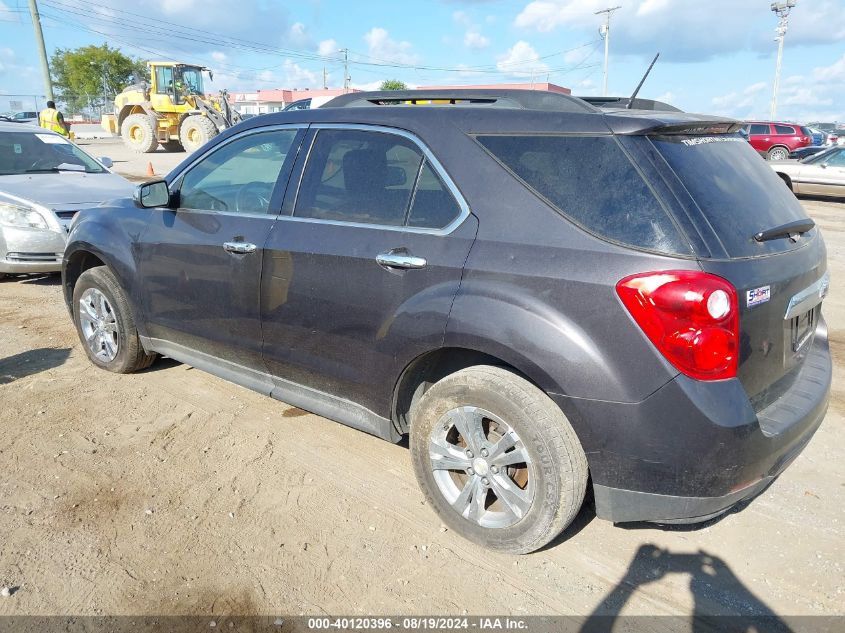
(234, 137)
(427, 154)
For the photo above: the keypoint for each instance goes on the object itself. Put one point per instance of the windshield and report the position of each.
(42, 152)
(191, 80)
(820, 157)
(737, 192)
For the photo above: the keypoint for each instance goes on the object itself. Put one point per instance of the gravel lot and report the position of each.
(174, 492)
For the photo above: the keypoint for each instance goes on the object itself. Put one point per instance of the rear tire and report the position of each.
(105, 324)
(520, 498)
(173, 146)
(138, 133)
(778, 153)
(195, 131)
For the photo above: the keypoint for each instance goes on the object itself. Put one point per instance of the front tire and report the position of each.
(195, 131)
(138, 133)
(105, 324)
(497, 459)
(778, 153)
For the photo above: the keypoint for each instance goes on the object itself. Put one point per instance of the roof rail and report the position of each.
(620, 103)
(462, 97)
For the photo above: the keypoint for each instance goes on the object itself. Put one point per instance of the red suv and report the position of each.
(776, 140)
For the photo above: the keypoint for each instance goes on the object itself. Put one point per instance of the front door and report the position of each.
(823, 177)
(201, 262)
(360, 278)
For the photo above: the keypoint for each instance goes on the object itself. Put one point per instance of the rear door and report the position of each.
(759, 135)
(781, 281)
(359, 277)
(201, 262)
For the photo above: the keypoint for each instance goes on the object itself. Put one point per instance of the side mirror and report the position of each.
(152, 194)
(106, 162)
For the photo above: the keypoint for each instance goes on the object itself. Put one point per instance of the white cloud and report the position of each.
(834, 72)
(521, 60)
(382, 47)
(666, 97)
(218, 56)
(689, 30)
(327, 48)
(475, 40)
(6, 14)
(297, 37)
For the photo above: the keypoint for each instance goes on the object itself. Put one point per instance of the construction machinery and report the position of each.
(171, 110)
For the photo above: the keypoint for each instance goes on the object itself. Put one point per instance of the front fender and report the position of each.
(110, 234)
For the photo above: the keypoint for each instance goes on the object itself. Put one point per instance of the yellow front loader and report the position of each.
(171, 110)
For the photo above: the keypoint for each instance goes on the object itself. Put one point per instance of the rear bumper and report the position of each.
(693, 450)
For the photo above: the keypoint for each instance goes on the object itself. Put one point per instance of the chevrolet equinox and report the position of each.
(544, 297)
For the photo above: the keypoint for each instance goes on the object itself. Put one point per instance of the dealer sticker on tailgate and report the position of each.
(756, 296)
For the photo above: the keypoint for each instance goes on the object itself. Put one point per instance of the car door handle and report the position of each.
(240, 248)
(399, 259)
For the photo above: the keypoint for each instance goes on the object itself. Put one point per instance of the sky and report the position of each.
(716, 56)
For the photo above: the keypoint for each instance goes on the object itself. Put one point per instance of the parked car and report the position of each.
(25, 117)
(307, 104)
(830, 130)
(818, 136)
(44, 181)
(804, 152)
(522, 290)
(822, 174)
(776, 140)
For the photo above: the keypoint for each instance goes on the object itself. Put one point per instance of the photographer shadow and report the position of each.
(721, 601)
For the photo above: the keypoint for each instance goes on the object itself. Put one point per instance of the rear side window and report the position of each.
(806, 131)
(738, 193)
(787, 130)
(433, 206)
(758, 128)
(593, 182)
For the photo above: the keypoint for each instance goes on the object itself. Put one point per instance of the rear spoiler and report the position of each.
(669, 123)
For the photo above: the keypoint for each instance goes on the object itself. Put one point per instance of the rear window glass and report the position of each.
(737, 192)
(785, 129)
(592, 182)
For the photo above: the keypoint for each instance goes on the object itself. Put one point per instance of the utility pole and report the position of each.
(781, 9)
(39, 41)
(325, 85)
(346, 77)
(604, 31)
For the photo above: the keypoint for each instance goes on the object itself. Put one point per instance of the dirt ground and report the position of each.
(174, 492)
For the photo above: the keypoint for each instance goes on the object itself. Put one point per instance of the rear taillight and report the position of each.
(692, 318)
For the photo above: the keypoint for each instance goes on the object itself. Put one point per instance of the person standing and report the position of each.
(51, 119)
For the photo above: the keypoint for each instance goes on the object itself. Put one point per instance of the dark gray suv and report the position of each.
(544, 297)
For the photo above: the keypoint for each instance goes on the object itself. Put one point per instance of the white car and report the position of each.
(44, 181)
(821, 174)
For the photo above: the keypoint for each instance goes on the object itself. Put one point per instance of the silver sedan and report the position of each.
(44, 181)
(821, 174)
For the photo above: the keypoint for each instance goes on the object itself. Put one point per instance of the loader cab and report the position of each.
(177, 81)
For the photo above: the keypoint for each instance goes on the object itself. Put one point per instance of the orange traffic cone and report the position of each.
(150, 170)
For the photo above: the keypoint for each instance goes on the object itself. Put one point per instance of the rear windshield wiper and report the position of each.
(785, 230)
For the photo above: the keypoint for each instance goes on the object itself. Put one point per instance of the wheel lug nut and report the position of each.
(494, 469)
(484, 452)
(470, 471)
(469, 454)
(485, 481)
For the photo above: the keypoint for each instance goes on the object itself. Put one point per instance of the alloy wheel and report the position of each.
(99, 325)
(481, 467)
